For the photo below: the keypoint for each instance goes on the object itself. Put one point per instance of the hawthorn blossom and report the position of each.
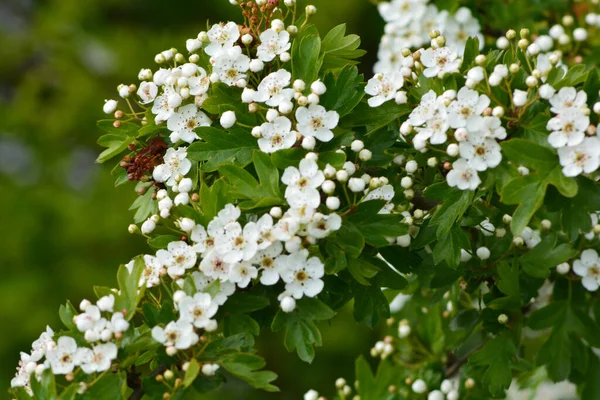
(231, 66)
(175, 163)
(199, 85)
(322, 225)
(62, 357)
(197, 310)
(435, 127)
(183, 122)
(272, 89)
(481, 152)
(568, 128)
(214, 266)
(460, 27)
(276, 135)
(202, 281)
(583, 158)
(588, 267)
(491, 128)
(316, 121)
(383, 87)
(238, 244)
(178, 257)
(98, 359)
(272, 44)
(265, 259)
(242, 273)
(302, 184)
(151, 272)
(568, 98)
(440, 62)
(425, 110)
(222, 38)
(301, 274)
(178, 334)
(265, 232)
(466, 110)
(402, 12)
(463, 176)
(147, 92)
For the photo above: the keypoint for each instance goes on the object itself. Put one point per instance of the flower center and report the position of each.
(301, 276)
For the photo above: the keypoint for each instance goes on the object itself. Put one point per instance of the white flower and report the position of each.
(276, 135)
(242, 273)
(87, 319)
(301, 274)
(97, 359)
(272, 44)
(201, 239)
(151, 272)
(199, 85)
(519, 98)
(425, 110)
(226, 288)
(588, 267)
(272, 89)
(179, 334)
(322, 225)
(481, 152)
(465, 111)
(265, 231)
(197, 310)
(61, 358)
(385, 192)
(183, 122)
(109, 106)
(118, 323)
(265, 259)
(214, 266)
(302, 184)
(546, 91)
(383, 87)
(147, 92)
(584, 157)
(237, 244)
(228, 119)
(222, 38)
(106, 303)
(231, 66)
(568, 98)
(178, 257)
(440, 61)
(461, 26)
(568, 128)
(316, 121)
(402, 12)
(491, 127)
(175, 163)
(531, 237)
(463, 176)
(435, 127)
(40, 345)
(286, 228)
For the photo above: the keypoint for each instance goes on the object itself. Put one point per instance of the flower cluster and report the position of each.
(408, 24)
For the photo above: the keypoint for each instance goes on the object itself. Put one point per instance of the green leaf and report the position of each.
(508, 283)
(110, 386)
(306, 58)
(471, 51)
(528, 192)
(344, 91)
(448, 248)
(242, 302)
(361, 270)
(244, 366)
(162, 241)
(128, 298)
(539, 260)
(212, 200)
(339, 50)
(145, 207)
(227, 98)
(46, 388)
(301, 333)
(370, 304)
(220, 147)
(576, 75)
(336, 260)
(374, 227)
(376, 387)
(238, 323)
(66, 314)
(495, 359)
(374, 118)
(191, 373)
(263, 194)
(452, 209)
(349, 239)
(529, 154)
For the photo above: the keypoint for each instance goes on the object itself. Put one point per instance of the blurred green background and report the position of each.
(63, 224)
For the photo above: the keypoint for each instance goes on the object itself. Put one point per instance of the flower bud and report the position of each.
(288, 304)
(332, 203)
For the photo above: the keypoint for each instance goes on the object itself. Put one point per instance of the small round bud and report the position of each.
(272, 114)
(299, 85)
(256, 65)
(411, 166)
(523, 44)
(502, 43)
(546, 224)
(469, 383)
(288, 304)
(276, 212)
(309, 142)
(406, 182)
(342, 175)
(332, 203)
(365, 155)
(310, 10)
(168, 374)
(452, 150)
(481, 59)
(318, 88)
(356, 185)
(357, 146)
(531, 81)
(511, 34)
(483, 253)
(171, 351)
(524, 33)
(109, 106)
(563, 268)
(432, 162)
(328, 187)
(580, 34)
(419, 386)
(514, 68)
(285, 57)
(502, 319)
(518, 241)
(568, 20)
(406, 128)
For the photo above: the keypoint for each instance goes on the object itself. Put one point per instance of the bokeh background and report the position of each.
(63, 224)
